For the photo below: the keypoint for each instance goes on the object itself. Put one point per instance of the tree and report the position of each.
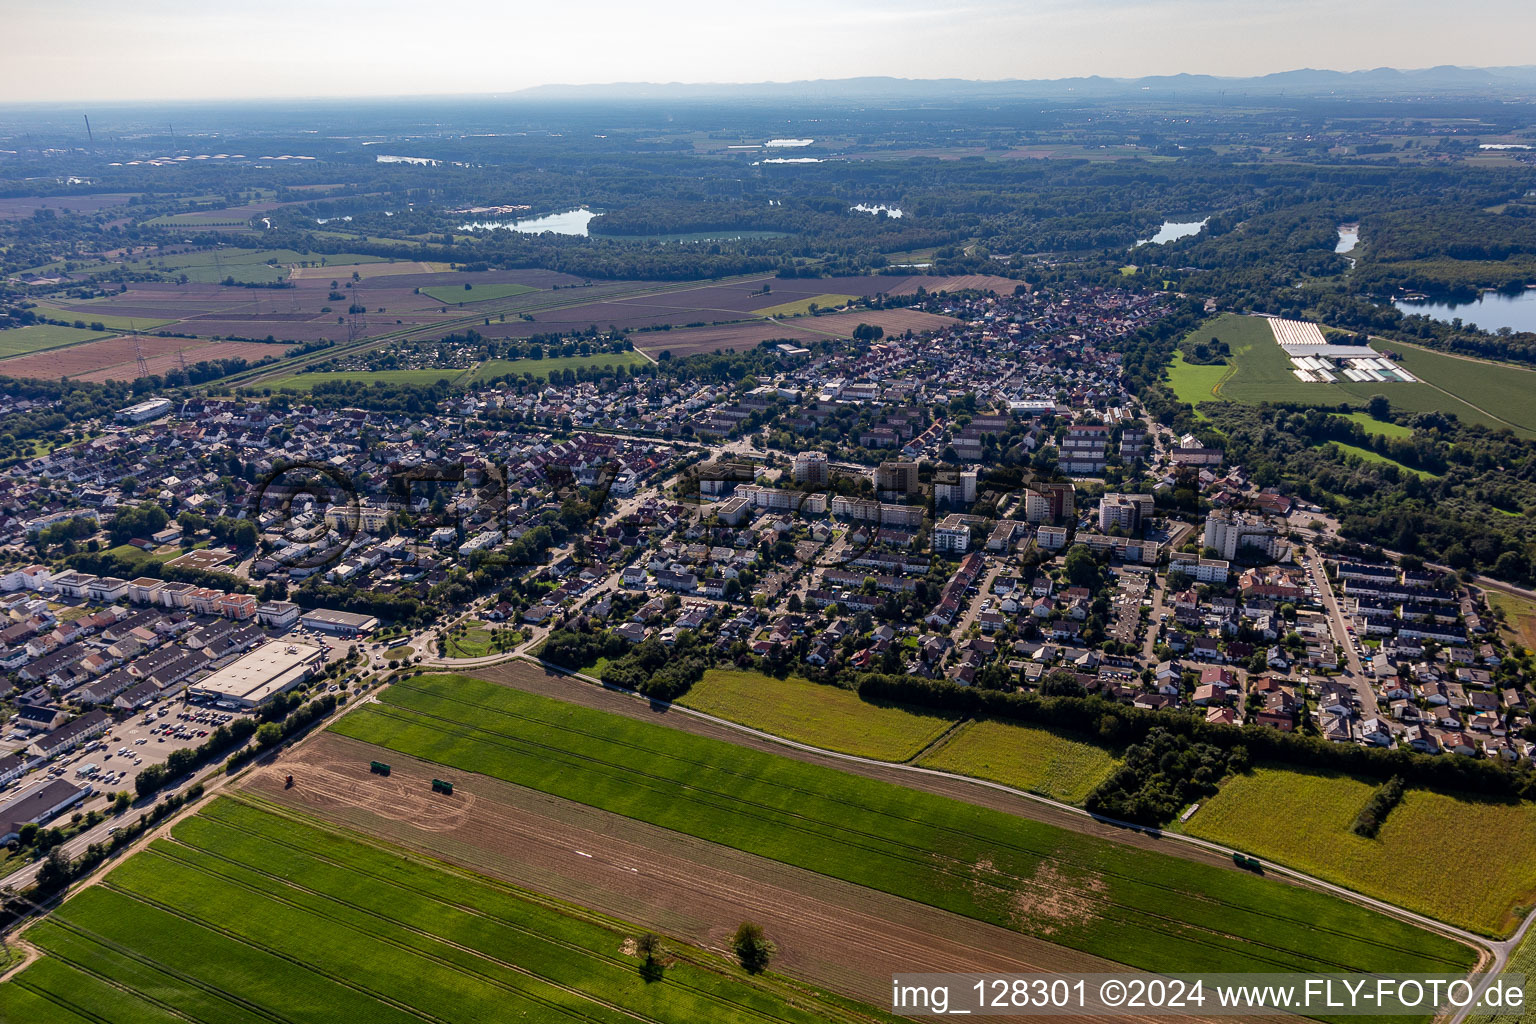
(1082, 568)
(269, 735)
(55, 871)
(648, 948)
(1380, 407)
(753, 949)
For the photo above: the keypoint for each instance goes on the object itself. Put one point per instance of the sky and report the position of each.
(66, 50)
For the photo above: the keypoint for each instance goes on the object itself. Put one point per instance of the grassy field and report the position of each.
(1381, 428)
(1369, 456)
(1194, 382)
(1519, 616)
(479, 639)
(542, 368)
(1260, 371)
(1504, 391)
(801, 307)
(1025, 757)
(249, 914)
(1443, 857)
(307, 381)
(479, 293)
(18, 341)
(824, 716)
(1138, 907)
(110, 321)
(244, 265)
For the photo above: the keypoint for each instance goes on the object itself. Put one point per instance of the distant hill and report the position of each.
(1445, 80)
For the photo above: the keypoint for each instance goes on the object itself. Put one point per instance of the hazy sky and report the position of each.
(194, 49)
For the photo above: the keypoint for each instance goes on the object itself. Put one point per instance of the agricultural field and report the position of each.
(1108, 899)
(800, 307)
(245, 912)
(542, 368)
(114, 358)
(475, 293)
(1438, 855)
(303, 382)
(18, 341)
(1259, 371)
(823, 716)
(110, 321)
(1025, 757)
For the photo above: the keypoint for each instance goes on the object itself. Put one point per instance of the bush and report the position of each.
(1371, 817)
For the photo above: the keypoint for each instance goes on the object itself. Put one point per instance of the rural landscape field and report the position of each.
(662, 514)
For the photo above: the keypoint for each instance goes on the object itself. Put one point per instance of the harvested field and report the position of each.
(830, 933)
(963, 282)
(113, 359)
(251, 913)
(1107, 899)
(367, 270)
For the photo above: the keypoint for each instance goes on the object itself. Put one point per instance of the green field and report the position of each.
(1369, 456)
(542, 368)
(456, 296)
(244, 265)
(801, 307)
(252, 914)
(18, 341)
(1503, 391)
(1446, 858)
(1026, 757)
(366, 378)
(1381, 428)
(1260, 371)
(823, 716)
(1134, 906)
(112, 322)
(1194, 382)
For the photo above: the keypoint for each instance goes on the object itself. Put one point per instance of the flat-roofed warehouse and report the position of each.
(269, 670)
(339, 623)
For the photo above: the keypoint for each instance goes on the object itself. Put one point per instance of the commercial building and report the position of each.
(272, 669)
(339, 623)
(143, 412)
(38, 805)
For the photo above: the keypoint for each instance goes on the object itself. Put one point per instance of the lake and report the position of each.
(1349, 237)
(571, 222)
(889, 211)
(1174, 229)
(1489, 311)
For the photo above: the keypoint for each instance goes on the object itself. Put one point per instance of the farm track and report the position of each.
(960, 873)
(833, 933)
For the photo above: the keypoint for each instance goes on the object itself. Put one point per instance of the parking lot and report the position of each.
(147, 738)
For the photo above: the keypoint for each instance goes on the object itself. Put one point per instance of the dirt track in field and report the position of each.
(833, 933)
